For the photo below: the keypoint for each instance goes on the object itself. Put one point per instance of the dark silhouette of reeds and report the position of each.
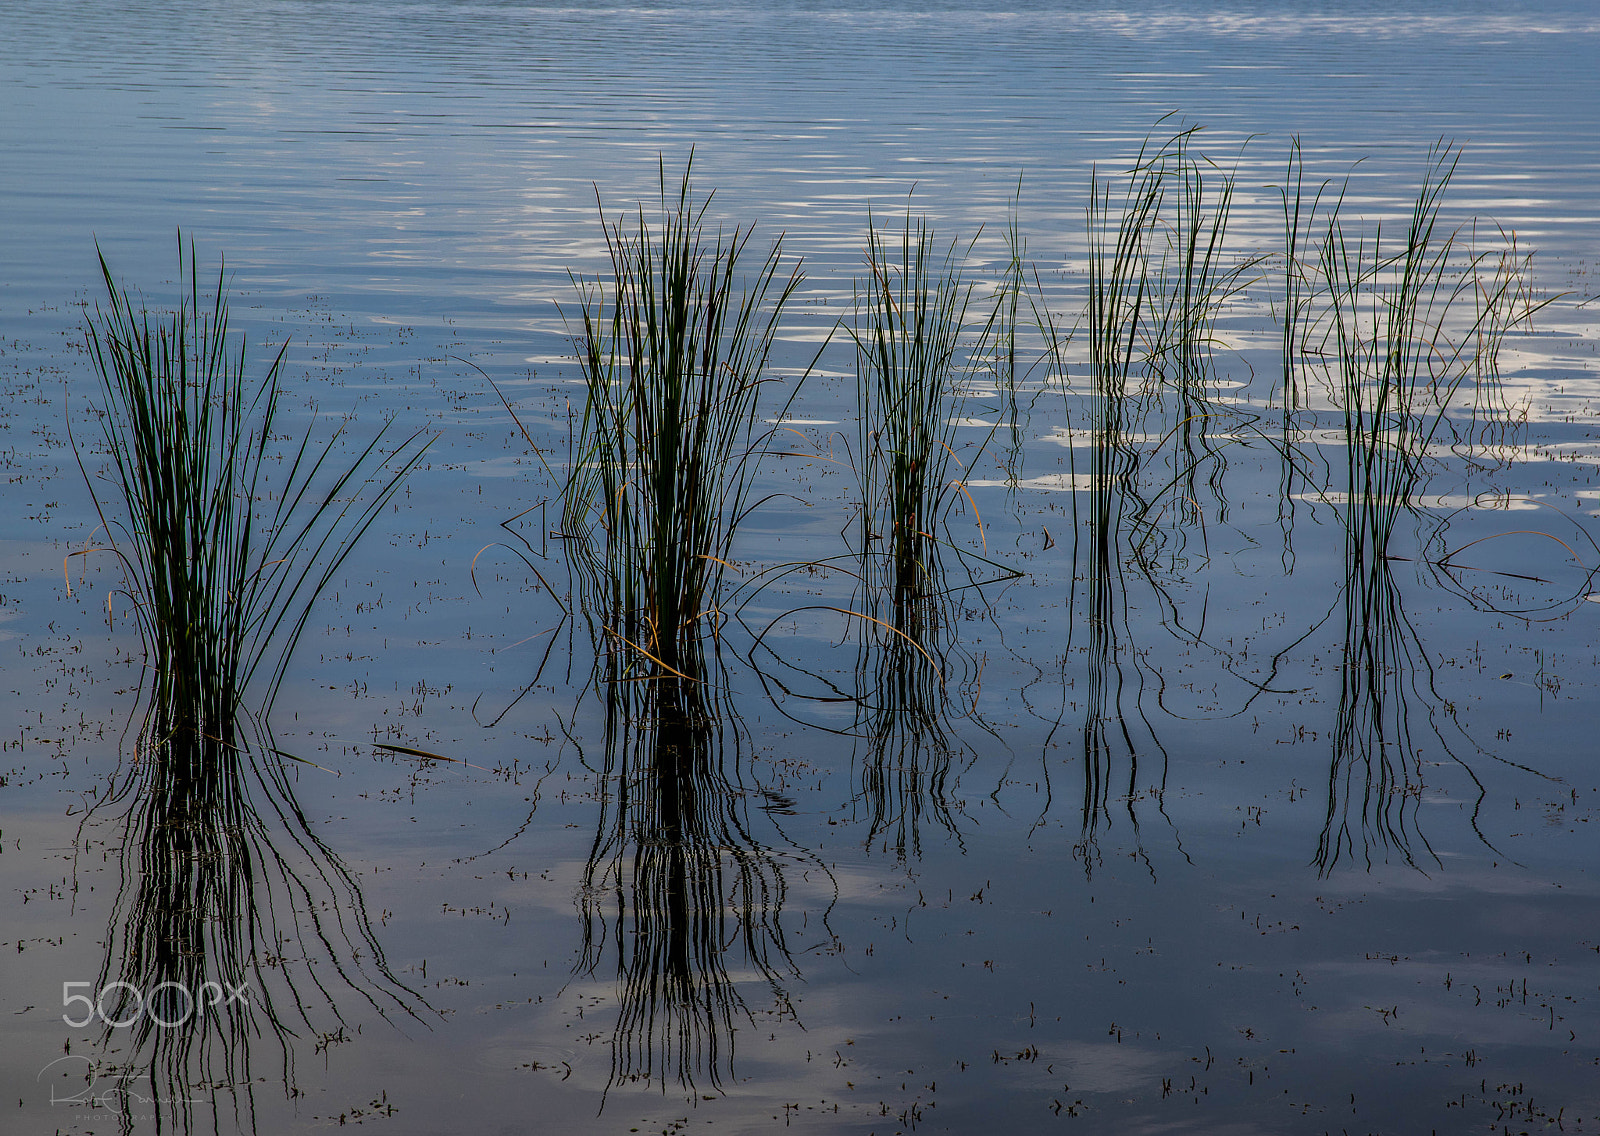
(1158, 275)
(910, 363)
(225, 888)
(1409, 324)
(674, 358)
(222, 559)
(678, 887)
(223, 552)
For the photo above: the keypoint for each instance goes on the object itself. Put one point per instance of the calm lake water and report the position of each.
(1205, 822)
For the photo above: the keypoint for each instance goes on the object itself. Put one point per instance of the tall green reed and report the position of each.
(1411, 322)
(1122, 305)
(674, 359)
(1116, 307)
(223, 549)
(225, 540)
(907, 331)
(1160, 271)
(1303, 219)
(1193, 271)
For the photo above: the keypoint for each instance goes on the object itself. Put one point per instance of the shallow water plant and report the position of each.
(223, 553)
(673, 357)
(1303, 219)
(1118, 283)
(1192, 275)
(222, 559)
(1411, 323)
(907, 334)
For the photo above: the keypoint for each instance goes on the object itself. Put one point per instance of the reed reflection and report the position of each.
(682, 887)
(234, 922)
(1115, 729)
(909, 668)
(1375, 778)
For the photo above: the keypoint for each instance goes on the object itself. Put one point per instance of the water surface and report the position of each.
(1205, 830)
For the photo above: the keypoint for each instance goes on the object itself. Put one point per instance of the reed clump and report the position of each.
(674, 358)
(1159, 274)
(907, 333)
(1410, 323)
(222, 559)
(1159, 266)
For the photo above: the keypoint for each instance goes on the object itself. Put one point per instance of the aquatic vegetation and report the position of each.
(674, 359)
(1156, 281)
(1160, 268)
(1303, 221)
(1405, 342)
(907, 333)
(1192, 271)
(1116, 307)
(693, 897)
(223, 551)
(999, 349)
(915, 359)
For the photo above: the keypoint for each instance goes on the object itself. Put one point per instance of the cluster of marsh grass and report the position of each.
(908, 331)
(674, 356)
(1404, 334)
(1159, 273)
(1387, 321)
(673, 361)
(221, 560)
(659, 474)
(1193, 272)
(1302, 218)
(1160, 269)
